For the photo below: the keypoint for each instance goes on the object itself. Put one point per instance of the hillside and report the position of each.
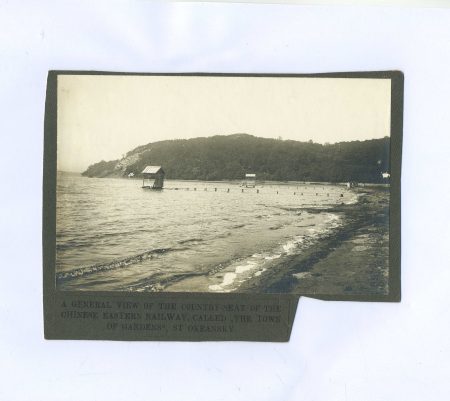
(231, 156)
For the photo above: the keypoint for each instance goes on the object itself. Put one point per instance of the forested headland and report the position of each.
(230, 157)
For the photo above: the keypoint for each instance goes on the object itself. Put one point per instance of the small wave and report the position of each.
(242, 271)
(224, 235)
(157, 283)
(291, 209)
(259, 272)
(277, 227)
(70, 245)
(289, 247)
(186, 241)
(272, 257)
(87, 239)
(154, 287)
(243, 268)
(114, 264)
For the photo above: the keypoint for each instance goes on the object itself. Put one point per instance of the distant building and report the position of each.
(250, 180)
(153, 177)
(131, 175)
(386, 175)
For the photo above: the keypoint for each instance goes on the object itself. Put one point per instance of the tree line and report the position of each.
(230, 157)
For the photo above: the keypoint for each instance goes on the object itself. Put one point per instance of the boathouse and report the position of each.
(250, 180)
(153, 177)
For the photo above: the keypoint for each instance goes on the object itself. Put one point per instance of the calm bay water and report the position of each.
(113, 235)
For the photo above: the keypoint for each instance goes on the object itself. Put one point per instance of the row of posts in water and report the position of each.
(242, 191)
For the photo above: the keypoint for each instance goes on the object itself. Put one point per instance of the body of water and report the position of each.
(113, 235)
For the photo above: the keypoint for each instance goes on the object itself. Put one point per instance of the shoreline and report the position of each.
(354, 260)
(364, 185)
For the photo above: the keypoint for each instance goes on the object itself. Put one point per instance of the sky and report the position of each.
(104, 117)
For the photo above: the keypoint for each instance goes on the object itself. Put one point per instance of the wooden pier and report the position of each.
(264, 191)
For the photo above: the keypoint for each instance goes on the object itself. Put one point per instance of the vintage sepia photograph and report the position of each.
(223, 184)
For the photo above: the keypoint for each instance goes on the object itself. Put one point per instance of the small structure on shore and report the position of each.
(131, 175)
(250, 180)
(386, 175)
(153, 177)
(354, 184)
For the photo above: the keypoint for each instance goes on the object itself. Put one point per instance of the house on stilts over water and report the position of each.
(153, 177)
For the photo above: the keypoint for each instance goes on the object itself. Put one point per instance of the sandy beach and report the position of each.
(354, 260)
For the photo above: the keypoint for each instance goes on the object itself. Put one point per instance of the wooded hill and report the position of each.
(230, 157)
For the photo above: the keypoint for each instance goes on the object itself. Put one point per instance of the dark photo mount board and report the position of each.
(191, 316)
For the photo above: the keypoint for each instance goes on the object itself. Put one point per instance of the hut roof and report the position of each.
(152, 170)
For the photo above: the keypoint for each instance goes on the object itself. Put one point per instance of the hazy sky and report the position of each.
(103, 117)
